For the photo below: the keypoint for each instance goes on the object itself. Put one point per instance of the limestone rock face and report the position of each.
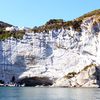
(55, 54)
(88, 77)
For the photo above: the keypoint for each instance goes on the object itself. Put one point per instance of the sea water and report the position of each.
(33, 93)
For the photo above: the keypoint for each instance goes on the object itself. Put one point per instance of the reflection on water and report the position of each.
(31, 93)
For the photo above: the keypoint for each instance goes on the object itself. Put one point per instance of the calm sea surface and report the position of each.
(31, 93)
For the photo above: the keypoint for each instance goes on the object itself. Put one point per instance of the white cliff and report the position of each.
(54, 55)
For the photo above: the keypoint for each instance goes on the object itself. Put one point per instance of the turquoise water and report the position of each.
(31, 93)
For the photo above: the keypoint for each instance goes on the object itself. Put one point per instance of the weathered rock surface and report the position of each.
(55, 55)
(88, 77)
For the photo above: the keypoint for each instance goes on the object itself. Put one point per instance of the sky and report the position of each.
(32, 13)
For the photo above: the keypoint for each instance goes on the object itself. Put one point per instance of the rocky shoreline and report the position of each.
(11, 85)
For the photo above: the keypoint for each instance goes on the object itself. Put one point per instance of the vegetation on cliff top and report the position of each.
(95, 12)
(51, 24)
(59, 23)
(6, 34)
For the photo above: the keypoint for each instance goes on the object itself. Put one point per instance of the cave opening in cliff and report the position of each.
(35, 81)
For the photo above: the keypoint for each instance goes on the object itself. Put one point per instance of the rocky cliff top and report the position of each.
(60, 23)
(52, 24)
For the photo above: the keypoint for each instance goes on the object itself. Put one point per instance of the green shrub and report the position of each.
(17, 34)
(5, 35)
(54, 21)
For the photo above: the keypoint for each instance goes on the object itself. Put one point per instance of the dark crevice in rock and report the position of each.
(97, 75)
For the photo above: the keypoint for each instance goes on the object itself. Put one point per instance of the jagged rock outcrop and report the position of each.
(88, 77)
(59, 54)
